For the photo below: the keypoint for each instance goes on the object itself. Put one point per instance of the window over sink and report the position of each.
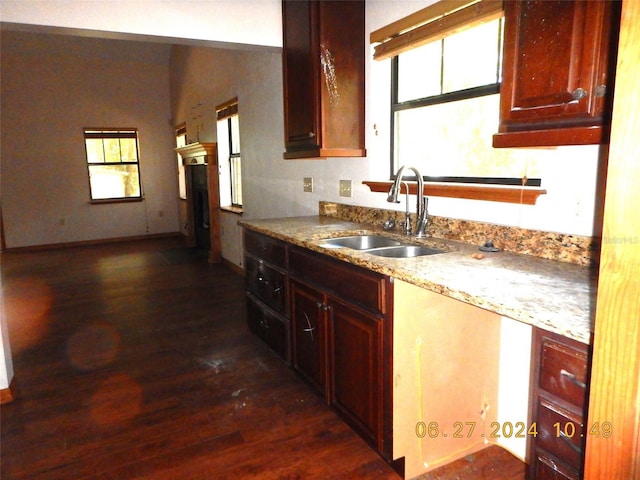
(445, 106)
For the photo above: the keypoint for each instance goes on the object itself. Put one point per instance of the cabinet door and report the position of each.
(300, 73)
(355, 352)
(555, 68)
(308, 324)
(323, 73)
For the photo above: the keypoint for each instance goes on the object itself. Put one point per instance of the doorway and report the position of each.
(200, 205)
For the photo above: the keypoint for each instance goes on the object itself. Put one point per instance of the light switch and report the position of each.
(307, 184)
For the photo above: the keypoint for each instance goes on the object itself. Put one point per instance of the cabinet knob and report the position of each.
(601, 91)
(579, 93)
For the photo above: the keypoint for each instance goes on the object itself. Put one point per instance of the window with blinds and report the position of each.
(446, 69)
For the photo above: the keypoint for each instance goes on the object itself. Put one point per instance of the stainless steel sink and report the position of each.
(404, 251)
(380, 246)
(361, 242)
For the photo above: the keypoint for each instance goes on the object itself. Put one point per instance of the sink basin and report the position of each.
(361, 242)
(404, 251)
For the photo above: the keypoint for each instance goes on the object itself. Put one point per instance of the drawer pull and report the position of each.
(567, 439)
(572, 378)
(310, 329)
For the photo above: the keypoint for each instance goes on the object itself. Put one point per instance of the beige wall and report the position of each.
(52, 87)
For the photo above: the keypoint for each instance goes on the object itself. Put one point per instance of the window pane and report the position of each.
(95, 153)
(461, 145)
(419, 72)
(128, 150)
(236, 181)
(114, 181)
(471, 57)
(111, 150)
(235, 135)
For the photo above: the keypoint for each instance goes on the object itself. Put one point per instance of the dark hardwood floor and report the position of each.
(133, 360)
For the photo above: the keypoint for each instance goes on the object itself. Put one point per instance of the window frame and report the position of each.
(226, 112)
(424, 26)
(111, 133)
(181, 131)
(463, 94)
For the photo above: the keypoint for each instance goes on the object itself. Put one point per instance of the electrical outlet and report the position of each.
(345, 188)
(307, 184)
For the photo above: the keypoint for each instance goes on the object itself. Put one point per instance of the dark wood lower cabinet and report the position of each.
(341, 319)
(333, 322)
(337, 349)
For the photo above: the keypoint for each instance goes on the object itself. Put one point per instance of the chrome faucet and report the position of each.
(422, 202)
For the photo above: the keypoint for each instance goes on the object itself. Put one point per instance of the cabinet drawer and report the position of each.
(266, 283)
(357, 285)
(267, 248)
(563, 371)
(548, 468)
(560, 432)
(271, 328)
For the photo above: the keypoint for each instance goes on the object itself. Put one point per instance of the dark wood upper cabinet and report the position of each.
(557, 76)
(323, 72)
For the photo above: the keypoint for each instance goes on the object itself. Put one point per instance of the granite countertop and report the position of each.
(552, 295)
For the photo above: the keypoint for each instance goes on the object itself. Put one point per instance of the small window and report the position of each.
(113, 163)
(181, 141)
(230, 159)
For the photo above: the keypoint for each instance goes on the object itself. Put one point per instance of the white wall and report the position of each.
(186, 21)
(52, 87)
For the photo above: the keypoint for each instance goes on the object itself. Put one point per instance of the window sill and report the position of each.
(116, 200)
(494, 193)
(236, 210)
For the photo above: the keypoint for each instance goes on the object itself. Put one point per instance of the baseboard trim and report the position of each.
(233, 267)
(85, 243)
(7, 394)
